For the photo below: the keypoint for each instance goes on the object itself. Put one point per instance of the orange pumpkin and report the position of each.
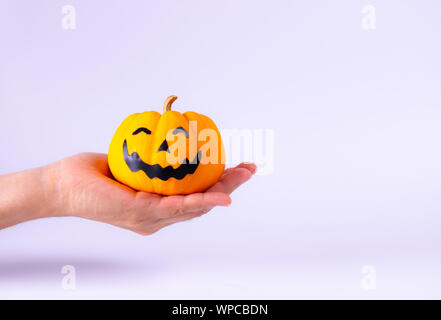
(168, 154)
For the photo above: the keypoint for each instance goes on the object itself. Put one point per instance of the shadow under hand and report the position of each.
(48, 269)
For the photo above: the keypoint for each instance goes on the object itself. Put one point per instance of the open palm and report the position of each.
(84, 187)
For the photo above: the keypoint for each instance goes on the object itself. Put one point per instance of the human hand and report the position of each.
(82, 186)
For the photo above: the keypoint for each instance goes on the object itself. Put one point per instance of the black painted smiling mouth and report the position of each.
(135, 163)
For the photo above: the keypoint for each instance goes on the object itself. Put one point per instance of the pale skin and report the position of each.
(82, 186)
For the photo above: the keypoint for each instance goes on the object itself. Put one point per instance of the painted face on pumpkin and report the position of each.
(135, 163)
(140, 151)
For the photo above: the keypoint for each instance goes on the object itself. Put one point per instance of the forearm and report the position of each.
(23, 196)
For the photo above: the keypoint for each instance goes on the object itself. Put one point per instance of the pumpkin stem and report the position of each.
(168, 102)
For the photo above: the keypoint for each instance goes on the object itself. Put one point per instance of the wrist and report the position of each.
(24, 196)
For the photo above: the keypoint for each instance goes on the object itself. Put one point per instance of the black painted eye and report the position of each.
(145, 130)
(180, 129)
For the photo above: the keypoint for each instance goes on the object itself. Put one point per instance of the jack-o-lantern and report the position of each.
(168, 154)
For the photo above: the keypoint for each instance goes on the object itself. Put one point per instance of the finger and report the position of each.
(249, 166)
(173, 206)
(246, 165)
(231, 181)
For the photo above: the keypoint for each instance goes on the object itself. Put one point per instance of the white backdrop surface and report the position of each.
(356, 120)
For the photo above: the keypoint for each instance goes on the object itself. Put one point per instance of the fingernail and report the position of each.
(223, 200)
(253, 167)
(226, 202)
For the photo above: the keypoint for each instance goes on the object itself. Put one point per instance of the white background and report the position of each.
(356, 115)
